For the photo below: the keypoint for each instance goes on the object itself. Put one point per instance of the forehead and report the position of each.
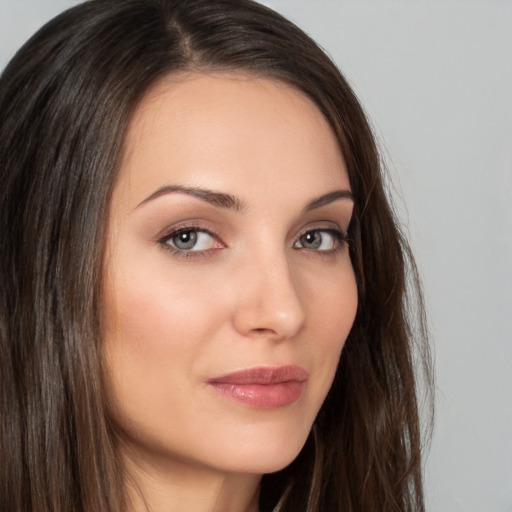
(228, 131)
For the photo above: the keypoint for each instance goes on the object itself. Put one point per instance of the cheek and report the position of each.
(333, 311)
(333, 302)
(149, 310)
(152, 333)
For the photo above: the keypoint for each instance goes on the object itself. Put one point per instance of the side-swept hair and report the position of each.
(65, 101)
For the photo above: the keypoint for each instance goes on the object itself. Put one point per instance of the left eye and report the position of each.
(319, 240)
(191, 240)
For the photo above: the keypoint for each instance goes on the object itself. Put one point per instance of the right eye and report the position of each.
(191, 240)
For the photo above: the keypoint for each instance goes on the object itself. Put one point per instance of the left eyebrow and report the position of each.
(328, 198)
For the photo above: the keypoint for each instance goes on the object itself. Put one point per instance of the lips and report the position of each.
(262, 387)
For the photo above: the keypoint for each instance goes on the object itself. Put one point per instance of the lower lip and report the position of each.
(262, 396)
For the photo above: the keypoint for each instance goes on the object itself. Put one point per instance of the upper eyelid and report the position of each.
(173, 230)
(323, 226)
(336, 230)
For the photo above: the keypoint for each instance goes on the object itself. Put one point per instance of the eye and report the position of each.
(191, 240)
(320, 240)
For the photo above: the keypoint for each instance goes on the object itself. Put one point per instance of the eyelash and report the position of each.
(341, 237)
(181, 253)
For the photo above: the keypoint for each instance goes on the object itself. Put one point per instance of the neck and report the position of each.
(181, 486)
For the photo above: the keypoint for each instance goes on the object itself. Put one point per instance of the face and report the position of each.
(229, 290)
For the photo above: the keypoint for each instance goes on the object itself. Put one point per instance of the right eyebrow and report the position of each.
(210, 196)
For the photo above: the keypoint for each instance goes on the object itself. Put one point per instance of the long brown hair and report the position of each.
(65, 101)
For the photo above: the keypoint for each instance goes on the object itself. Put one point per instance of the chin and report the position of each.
(265, 455)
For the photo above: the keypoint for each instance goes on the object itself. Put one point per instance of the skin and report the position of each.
(252, 293)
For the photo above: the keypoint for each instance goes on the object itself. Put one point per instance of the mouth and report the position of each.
(263, 387)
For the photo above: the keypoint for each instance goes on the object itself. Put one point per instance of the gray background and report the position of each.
(436, 80)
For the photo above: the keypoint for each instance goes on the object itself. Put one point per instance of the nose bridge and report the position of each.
(269, 300)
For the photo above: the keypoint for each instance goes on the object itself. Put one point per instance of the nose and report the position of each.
(268, 300)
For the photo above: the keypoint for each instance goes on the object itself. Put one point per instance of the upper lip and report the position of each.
(263, 375)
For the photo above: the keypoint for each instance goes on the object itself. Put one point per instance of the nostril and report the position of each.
(262, 331)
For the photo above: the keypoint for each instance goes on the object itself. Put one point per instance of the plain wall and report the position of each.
(436, 80)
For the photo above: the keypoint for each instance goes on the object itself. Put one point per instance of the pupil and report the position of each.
(185, 240)
(313, 240)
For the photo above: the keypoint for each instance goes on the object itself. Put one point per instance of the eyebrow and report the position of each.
(328, 198)
(228, 201)
(214, 198)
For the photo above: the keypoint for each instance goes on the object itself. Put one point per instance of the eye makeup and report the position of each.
(191, 241)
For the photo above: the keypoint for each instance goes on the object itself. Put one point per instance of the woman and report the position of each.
(203, 284)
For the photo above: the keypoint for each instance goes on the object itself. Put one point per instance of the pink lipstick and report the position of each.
(263, 387)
